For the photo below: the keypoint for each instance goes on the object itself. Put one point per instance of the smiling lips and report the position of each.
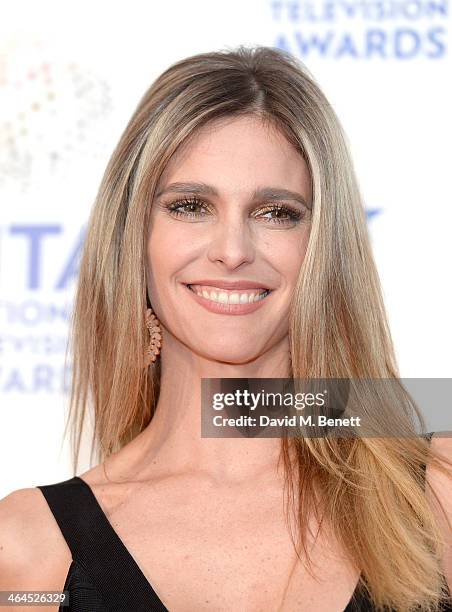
(235, 300)
(229, 296)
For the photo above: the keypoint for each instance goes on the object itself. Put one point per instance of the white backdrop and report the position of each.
(72, 73)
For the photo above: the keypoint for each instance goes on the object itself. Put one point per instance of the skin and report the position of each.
(234, 239)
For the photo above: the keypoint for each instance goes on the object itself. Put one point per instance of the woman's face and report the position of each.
(224, 231)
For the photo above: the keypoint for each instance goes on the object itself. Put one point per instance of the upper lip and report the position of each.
(229, 284)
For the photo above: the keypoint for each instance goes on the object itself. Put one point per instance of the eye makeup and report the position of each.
(189, 208)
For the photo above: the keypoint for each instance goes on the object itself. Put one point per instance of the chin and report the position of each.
(230, 355)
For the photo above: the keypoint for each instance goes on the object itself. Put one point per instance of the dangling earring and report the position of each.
(155, 334)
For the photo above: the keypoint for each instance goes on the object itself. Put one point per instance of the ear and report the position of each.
(442, 486)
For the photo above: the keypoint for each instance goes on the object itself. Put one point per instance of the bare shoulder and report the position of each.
(33, 552)
(439, 489)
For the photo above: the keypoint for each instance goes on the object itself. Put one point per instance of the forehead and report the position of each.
(239, 153)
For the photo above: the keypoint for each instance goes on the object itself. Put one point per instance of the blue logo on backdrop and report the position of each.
(362, 29)
(34, 335)
(35, 236)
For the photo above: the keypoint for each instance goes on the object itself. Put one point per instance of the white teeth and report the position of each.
(224, 297)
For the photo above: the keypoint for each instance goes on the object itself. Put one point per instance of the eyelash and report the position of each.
(294, 215)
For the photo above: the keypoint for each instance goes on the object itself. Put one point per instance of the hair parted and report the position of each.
(370, 490)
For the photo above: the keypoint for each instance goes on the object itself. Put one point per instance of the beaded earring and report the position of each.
(155, 335)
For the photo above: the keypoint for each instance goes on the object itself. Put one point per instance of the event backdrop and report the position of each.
(72, 73)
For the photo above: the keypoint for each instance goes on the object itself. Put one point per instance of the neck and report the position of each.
(173, 438)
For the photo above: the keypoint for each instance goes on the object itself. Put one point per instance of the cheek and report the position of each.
(168, 250)
(287, 252)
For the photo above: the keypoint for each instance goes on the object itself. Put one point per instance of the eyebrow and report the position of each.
(266, 193)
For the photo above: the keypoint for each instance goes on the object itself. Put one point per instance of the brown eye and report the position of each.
(283, 214)
(186, 207)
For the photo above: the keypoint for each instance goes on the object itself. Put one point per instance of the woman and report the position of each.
(231, 184)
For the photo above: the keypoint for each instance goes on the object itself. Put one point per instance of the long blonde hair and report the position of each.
(371, 489)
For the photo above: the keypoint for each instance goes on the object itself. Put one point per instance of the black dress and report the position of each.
(103, 575)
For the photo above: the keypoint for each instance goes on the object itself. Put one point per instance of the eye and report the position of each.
(284, 214)
(189, 204)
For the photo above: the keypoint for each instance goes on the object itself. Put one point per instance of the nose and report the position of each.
(232, 243)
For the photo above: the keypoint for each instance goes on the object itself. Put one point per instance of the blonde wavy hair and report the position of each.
(370, 490)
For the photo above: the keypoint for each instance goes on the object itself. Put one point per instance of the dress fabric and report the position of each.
(103, 575)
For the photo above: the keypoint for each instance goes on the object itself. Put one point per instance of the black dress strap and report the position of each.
(97, 548)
